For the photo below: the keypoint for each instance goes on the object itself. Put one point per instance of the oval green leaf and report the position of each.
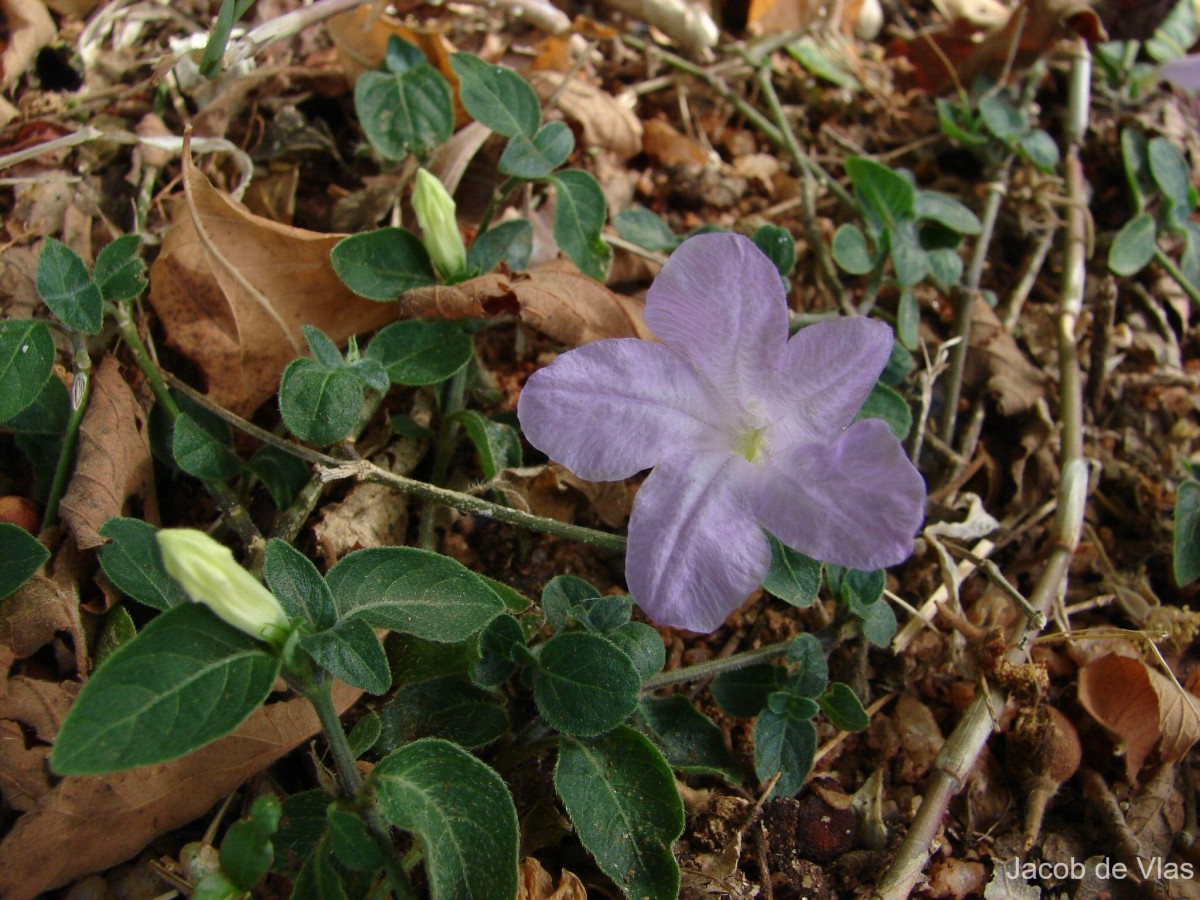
(318, 404)
(350, 652)
(509, 242)
(622, 799)
(579, 215)
(461, 814)
(496, 97)
(26, 364)
(793, 577)
(537, 156)
(1187, 533)
(23, 555)
(785, 744)
(382, 264)
(407, 113)
(850, 250)
(413, 591)
(415, 352)
(66, 287)
(1133, 246)
(184, 681)
(584, 684)
(133, 563)
(200, 454)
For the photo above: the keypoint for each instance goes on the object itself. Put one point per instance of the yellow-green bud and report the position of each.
(210, 575)
(439, 225)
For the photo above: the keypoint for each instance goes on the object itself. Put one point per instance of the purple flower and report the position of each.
(746, 430)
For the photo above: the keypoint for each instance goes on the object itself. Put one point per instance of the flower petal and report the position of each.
(720, 303)
(609, 409)
(824, 375)
(856, 501)
(695, 551)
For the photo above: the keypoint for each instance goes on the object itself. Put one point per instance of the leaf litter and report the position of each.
(231, 288)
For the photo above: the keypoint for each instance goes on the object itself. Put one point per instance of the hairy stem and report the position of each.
(715, 666)
(452, 402)
(81, 371)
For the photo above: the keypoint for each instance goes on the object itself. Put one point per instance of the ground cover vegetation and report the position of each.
(550, 451)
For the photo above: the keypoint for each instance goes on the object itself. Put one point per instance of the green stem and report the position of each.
(231, 508)
(452, 402)
(81, 368)
(1174, 271)
(368, 471)
(498, 197)
(715, 666)
(320, 695)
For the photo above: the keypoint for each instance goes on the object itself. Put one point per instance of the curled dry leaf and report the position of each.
(1140, 708)
(555, 299)
(32, 616)
(90, 824)
(536, 883)
(232, 291)
(371, 515)
(30, 28)
(997, 363)
(29, 705)
(113, 465)
(608, 122)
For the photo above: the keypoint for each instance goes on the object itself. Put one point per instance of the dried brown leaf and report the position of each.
(30, 28)
(555, 299)
(1156, 815)
(997, 364)
(233, 289)
(536, 883)
(664, 143)
(36, 612)
(1140, 708)
(608, 122)
(113, 465)
(90, 824)
(920, 738)
(29, 706)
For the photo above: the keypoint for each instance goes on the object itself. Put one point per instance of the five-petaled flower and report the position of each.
(745, 429)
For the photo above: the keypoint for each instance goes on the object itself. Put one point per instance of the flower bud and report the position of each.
(210, 575)
(439, 225)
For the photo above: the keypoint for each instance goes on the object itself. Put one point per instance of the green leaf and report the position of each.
(405, 113)
(621, 797)
(509, 242)
(793, 577)
(743, 692)
(116, 630)
(1171, 173)
(908, 319)
(579, 219)
(603, 614)
(850, 250)
(298, 586)
(887, 193)
(496, 96)
(854, 586)
(1039, 148)
(1176, 35)
(908, 256)
(218, 40)
(413, 591)
(1187, 533)
(958, 123)
(692, 743)
(810, 672)
(364, 735)
(879, 623)
(350, 652)
(899, 366)
(498, 446)
(640, 226)
(119, 272)
(216, 886)
(937, 207)
(560, 595)
(778, 245)
(199, 454)
(66, 287)
(584, 684)
(318, 404)
(461, 814)
(786, 744)
(945, 265)
(323, 349)
(1189, 259)
(23, 555)
(414, 660)
(246, 850)
(26, 364)
(1135, 156)
(50, 410)
(498, 646)
(1003, 118)
(448, 708)
(133, 563)
(843, 708)
(283, 474)
(537, 156)
(300, 829)
(1133, 246)
(184, 681)
(643, 645)
(884, 403)
(401, 55)
(821, 63)
(350, 840)
(382, 264)
(416, 352)
(319, 879)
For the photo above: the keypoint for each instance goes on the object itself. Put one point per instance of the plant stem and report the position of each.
(231, 507)
(452, 402)
(81, 370)
(715, 666)
(367, 471)
(319, 694)
(1174, 271)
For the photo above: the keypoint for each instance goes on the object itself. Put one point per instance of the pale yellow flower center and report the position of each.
(751, 444)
